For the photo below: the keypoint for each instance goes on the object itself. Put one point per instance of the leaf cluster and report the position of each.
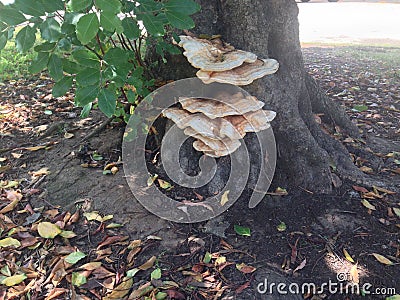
(95, 46)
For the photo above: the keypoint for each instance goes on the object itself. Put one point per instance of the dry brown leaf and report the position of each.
(54, 293)
(245, 268)
(121, 290)
(301, 266)
(148, 264)
(354, 274)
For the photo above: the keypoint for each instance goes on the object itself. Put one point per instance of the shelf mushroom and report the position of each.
(221, 62)
(219, 124)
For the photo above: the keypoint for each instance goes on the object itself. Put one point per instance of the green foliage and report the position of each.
(95, 46)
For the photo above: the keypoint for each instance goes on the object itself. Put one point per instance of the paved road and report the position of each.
(361, 22)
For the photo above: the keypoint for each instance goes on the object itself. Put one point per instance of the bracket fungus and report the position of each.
(219, 124)
(221, 62)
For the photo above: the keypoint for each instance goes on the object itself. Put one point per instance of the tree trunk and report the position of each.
(307, 156)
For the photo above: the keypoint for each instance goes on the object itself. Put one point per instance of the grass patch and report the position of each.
(14, 65)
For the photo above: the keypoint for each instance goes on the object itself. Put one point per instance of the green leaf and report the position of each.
(45, 47)
(187, 7)
(86, 110)
(360, 108)
(88, 76)
(281, 226)
(107, 102)
(64, 45)
(74, 257)
(161, 296)
(14, 280)
(87, 28)
(62, 87)
(3, 41)
(9, 242)
(70, 67)
(132, 272)
(86, 58)
(55, 67)
(25, 38)
(30, 7)
(109, 21)
(113, 6)
(52, 5)
(50, 30)
(117, 57)
(79, 5)
(153, 26)
(207, 257)
(86, 95)
(131, 28)
(156, 274)
(179, 20)
(240, 230)
(11, 16)
(78, 279)
(39, 63)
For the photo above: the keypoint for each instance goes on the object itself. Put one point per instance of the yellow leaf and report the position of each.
(220, 260)
(9, 207)
(382, 190)
(367, 204)
(354, 274)
(347, 255)
(68, 135)
(148, 264)
(9, 242)
(366, 169)
(2, 159)
(382, 259)
(224, 198)
(48, 230)
(36, 148)
(396, 211)
(9, 184)
(14, 280)
(121, 290)
(93, 215)
(164, 184)
(151, 180)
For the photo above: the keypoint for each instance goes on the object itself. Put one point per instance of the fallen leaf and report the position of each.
(14, 280)
(40, 172)
(347, 256)
(281, 191)
(151, 179)
(224, 198)
(366, 169)
(354, 274)
(156, 274)
(17, 155)
(55, 293)
(68, 135)
(396, 211)
(67, 234)
(148, 264)
(36, 148)
(74, 257)
(382, 259)
(383, 190)
(301, 266)
(245, 268)
(93, 216)
(78, 278)
(164, 184)
(367, 204)
(9, 242)
(111, 240)
(220, 260)
(48, 230)
(91, 266)
(281, 227)
(240, 230)
(360, 189)
(207, 257)
(121, 290)
(132, 272)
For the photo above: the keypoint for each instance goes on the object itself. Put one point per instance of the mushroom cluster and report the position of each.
(221, 62)
(220, 123)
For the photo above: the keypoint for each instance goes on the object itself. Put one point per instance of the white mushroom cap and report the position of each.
(213, 56)
(228, 105)
(242, 75)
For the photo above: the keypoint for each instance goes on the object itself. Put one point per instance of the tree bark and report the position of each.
(307, 156)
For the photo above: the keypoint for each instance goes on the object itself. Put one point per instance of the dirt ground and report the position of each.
(322, 233)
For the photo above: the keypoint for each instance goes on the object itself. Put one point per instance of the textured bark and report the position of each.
(270, 29)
